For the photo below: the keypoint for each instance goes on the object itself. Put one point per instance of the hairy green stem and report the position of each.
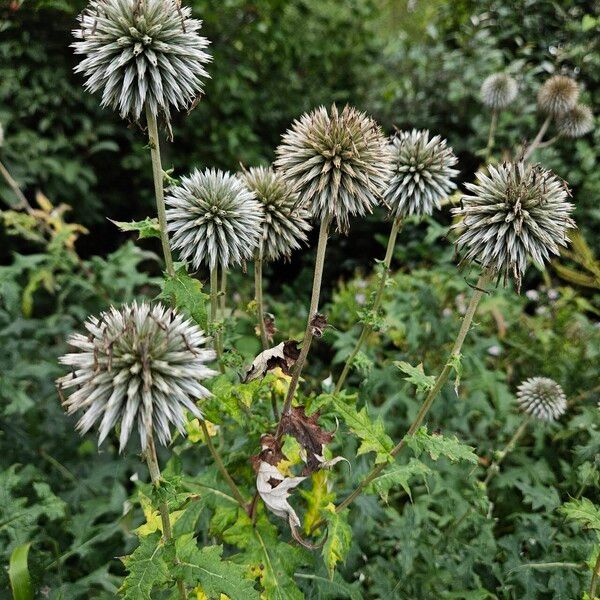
(157, 173)
(154, 470)
(595, 578)
(14, 186)
(258, 296)
(222, 468)
(214, 293)
(493, 468)
(538, 139)
(492, 135)
(223, 293)
(368, 328)
(314, 307)
(442, 378)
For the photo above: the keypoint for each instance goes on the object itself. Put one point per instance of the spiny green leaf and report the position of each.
(205, 567)
(148, 228)
(416, 376)
(339, 538)
(18, 573)
(584, 511)
(187, 294)
(437, 445)
(147, 568)
(398, 475)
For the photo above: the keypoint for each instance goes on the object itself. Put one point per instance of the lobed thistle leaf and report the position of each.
(214, 219)
(558, 95)
(514, 213)
(141, 53)
(542, 398)
(576, 122)
(338, 161)
(422, 173)
(285, 224)
(498, 90)
(140, 366)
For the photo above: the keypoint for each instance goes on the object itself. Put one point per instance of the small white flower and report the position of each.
(542, 398)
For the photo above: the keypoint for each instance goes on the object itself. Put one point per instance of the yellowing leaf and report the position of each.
(153, 521)
(339, 538)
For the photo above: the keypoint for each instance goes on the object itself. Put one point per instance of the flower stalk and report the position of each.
(157, 173)
(214, 304)
(494, 467)
(367, 327)
(258, 296)
(538, 138)
(492, 135)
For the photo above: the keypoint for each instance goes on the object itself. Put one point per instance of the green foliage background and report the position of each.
(411, 64)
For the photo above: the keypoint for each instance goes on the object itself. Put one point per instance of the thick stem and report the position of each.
(154, 470)
(14, 186)
(258, 295)
(222, 468)
(157, 173)
(314, 307)
(492, 135)
(442, 378)
(493, 468)
(223, 293)
(595, 578)
(214, 293)
(367, 328)
(538, 138)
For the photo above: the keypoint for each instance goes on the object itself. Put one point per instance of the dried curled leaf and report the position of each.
(283, 355)
(318, 325)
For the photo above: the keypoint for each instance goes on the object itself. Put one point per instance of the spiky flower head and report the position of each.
(214, 219)
(139, 366)
(542, 398)
(286, 223)
(515, 212)
(558, 95)
(338, 162)
(141, 52)
(498, 90)
(576, 122)
(422, 173)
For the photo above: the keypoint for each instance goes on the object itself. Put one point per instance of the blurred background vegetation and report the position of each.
(410, 63)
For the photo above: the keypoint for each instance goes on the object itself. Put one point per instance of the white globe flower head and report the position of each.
(576, 122)
(141, 366)
(498, 91)
(286, 223)
(515, 213)
(422, 173)
(558, 95)
(142, 53)
(338, 162)
(542, 397)
(214, 219)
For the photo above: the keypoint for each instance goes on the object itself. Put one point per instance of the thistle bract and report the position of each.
(558, 95)
(515, 212)
(214, 219)
(498, 91)
(285, 223)
(338, 162)
(422, 173)
(576, 122)
(139, 366)
(542, 398)
(141, 53)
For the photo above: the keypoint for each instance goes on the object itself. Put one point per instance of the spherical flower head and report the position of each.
(498, 91)
(576, 122)
(214, 219)
(558, 95)
(515, 212)
(139, 366)
(338, 161)
(285, 223)
(542, 398)
(141, 53)
(422, 173)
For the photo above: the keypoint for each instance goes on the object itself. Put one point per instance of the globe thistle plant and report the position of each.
(422, 173)
(542, 398)
(214, 219)
(285, 223)
(141, 53)
(515, 212)
(576, 122)
(498, 91)
(139, 367)
(558, 95)
(338, 161)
